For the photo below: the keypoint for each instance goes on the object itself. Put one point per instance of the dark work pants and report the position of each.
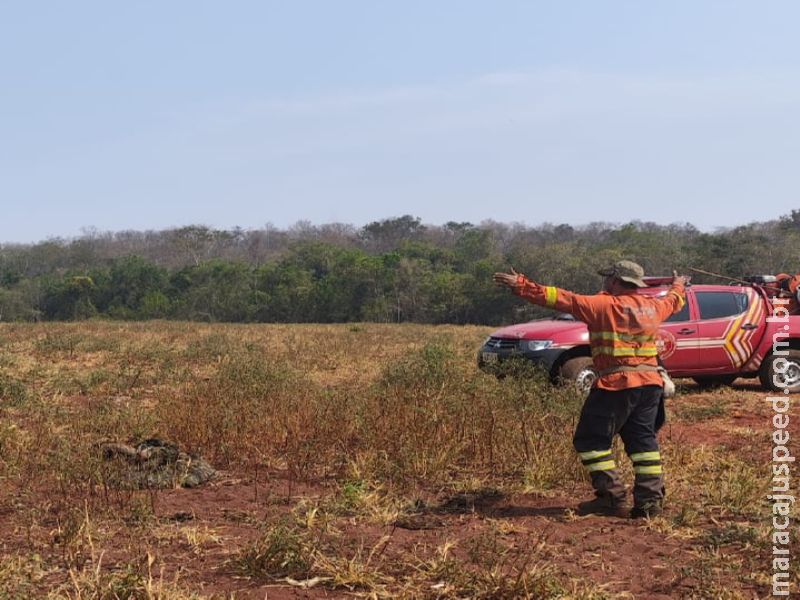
(631, 413)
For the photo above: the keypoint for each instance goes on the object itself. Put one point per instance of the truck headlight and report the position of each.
(535, 345)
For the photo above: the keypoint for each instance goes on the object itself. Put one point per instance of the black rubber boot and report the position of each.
(606, 505)
(610, 496)
(648, 496)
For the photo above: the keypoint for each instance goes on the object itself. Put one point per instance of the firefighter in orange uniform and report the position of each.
(625, 398)
(788, 286)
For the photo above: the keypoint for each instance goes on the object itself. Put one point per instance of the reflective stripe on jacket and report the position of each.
(622, 328)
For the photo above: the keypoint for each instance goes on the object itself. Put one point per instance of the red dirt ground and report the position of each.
(630, 559)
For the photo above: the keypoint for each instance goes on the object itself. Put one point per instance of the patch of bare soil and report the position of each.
(196, 533)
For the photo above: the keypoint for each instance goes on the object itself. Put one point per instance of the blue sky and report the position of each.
(150, 115)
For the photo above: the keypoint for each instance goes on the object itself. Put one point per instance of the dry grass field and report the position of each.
(353, 461)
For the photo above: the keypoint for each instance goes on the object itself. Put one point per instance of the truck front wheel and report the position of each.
(579, 372)
(779, 373)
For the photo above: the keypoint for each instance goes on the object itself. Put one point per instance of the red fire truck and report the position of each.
(722, 333)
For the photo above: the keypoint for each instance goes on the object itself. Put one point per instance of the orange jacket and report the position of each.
(787, 286)
(622, 328)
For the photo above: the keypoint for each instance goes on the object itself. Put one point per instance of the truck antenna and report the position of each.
(718, 275)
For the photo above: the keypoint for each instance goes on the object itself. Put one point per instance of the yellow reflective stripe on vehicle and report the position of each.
(550, 296)
(594, 454)
(602, 466)
(642, 456)
(625, 351)
(652, 470)
(621, 337)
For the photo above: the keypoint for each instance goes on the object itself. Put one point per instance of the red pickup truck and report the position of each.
(722, 333)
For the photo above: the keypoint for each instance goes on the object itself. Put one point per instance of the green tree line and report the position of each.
(394, 270)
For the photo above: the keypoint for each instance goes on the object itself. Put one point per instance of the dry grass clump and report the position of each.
(426, 415)
(486, 565)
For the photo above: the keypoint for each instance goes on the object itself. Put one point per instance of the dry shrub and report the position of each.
(429, 414)
(428, 418)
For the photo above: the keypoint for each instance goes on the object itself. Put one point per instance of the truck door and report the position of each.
(730, 327)
(673, 335)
